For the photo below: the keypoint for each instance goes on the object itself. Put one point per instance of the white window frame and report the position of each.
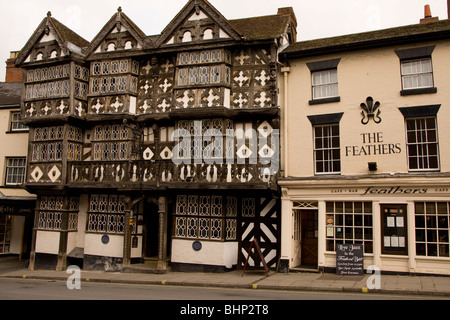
(324, 83)
(417, 76)
(16, 168)
(350, 222)
(15, 124)
(432, 228)
(422, 155)
(327, 150)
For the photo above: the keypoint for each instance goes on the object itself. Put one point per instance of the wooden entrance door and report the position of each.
(309, 237)
(150, 230)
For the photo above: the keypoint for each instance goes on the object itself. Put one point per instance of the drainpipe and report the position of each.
(285, 71)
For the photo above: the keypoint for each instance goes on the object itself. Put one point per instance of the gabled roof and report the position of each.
(188, 10)
(62, 34)
(119, 18)
(260, 28)
(67, 35)
(386, 37)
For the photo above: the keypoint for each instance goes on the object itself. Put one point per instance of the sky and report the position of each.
(316, 18)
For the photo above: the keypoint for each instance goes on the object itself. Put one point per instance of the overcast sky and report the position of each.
(316, 18)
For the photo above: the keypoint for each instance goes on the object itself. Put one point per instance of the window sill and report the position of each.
(418, 91)
(13, 186)
(17, 131)
(324, 100)
(423, 170)
(325, 174)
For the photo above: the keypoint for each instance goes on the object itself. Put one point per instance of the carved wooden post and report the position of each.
(128, 229)
(62, 252)
(162, 243)
(33, 239)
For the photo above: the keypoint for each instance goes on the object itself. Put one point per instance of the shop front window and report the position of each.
(432, 229)
(349, 222)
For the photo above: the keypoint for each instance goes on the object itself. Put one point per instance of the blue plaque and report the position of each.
(105, 239)
(197, 245)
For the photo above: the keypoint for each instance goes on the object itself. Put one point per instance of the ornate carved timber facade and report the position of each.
(115, 180)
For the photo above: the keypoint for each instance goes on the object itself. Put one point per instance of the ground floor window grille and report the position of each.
(51, 211)
(106, 214)
(106, 223)
(202, 217)
(50, 220)
(432, 228)
(349, 222)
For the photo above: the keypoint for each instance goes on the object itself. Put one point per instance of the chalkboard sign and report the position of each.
(349, 259)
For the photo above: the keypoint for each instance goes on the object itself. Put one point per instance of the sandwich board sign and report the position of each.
(349, 259)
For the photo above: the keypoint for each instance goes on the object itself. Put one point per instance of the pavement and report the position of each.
(11, 267)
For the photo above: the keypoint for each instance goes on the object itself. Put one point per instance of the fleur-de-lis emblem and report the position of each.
(370, 111)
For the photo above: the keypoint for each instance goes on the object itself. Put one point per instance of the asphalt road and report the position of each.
(25, 297)
(29, 289)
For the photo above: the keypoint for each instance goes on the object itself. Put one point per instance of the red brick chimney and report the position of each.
(13, 74)
(289, 11)
(428, 17)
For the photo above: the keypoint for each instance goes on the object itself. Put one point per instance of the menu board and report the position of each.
(394, 233)
(349, 259)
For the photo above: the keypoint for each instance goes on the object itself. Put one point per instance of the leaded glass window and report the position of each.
(106, 214)
(201, 217)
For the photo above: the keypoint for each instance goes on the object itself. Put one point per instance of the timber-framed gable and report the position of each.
(137, 120)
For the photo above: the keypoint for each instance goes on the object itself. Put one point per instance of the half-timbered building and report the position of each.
(162, 147)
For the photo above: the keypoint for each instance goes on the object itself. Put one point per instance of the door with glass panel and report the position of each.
(5, 233)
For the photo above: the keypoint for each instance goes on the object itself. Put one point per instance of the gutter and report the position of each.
(369, 44)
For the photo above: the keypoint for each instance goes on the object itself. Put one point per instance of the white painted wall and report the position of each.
(93, 245)
(212, 253)
(16, 234)
(47, 242)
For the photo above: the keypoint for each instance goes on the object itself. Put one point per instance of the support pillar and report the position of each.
(162, 243)
(127, 239)
(128, 229)
(61, 264)
(33, 250)
(33, 240)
